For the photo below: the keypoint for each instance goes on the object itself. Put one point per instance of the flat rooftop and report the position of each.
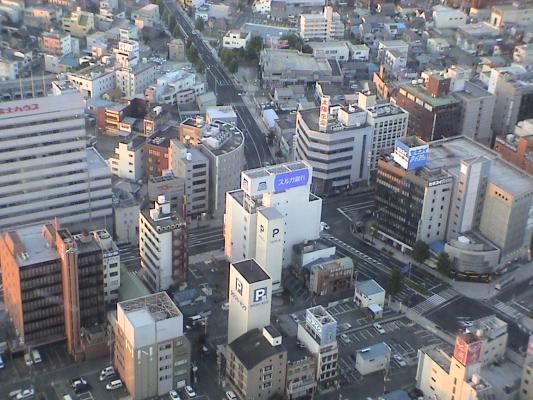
(376, 350)
(251, 271)
(448, 154)
(35, 245)
(158, 306)
(311, 117)
(283, 60)
(252, 348)
(440, 356)
(472, 91)
(421, 92)
(369, 287)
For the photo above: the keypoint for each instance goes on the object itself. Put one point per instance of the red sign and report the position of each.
(16, 109)
(467, 353)
(530, 346)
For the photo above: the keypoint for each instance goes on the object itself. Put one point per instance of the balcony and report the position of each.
(302, 385)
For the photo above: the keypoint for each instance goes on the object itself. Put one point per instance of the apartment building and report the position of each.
(518, 148)
(111, 264)
(56, 43)
(93, 81)
(236, 39)
(325, 26)
(135, 80)
(152, 355)
(128, 160)
(79, 23)
(47, 170)
(163, 241)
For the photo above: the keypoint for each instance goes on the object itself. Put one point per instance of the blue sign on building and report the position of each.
(288, 180)
(417, 157)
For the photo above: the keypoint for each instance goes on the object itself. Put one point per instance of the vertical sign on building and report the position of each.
(467, 352)
(530, 346)
(324, 112)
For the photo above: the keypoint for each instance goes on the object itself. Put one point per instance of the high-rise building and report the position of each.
(53, 284)
(46, 169)
(336, 142)
(433, 112)
(250, 296)
(325, 26)
(111, 264)
(273, 211)
(152, 355)
(163, 241)
(318, 333)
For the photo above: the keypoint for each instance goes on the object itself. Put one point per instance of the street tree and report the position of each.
(420, 251)
(395, 282)
(444, 264)
(199, 24)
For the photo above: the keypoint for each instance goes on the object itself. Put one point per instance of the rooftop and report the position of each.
(251, 271)
(439, 356)
(376, 350)
(131, 286)
(270, 212)
(34, 245)
(369, 287)
(448, 154)
(282, 60)
(157, 306)
(472, 91)
(252, 348)
(421, 92)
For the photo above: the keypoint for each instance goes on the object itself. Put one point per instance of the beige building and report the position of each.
(326, 26)
(79, 23)
(301, 371)
(132, 81)
(176, 50)
(152, 355)
(331, 276)
(256, 364)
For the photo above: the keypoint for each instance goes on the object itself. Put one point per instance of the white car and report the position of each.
(36, 356)
(345, 338)
(113, 385)
(107, 373)
(379, 328)
(400, 360)
(324, 226)
(174, 395)
(230, 395)
(28, 360)
(25, 394)
(189, 391)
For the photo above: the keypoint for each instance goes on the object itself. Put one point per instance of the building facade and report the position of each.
(518, 148)
(326, 26)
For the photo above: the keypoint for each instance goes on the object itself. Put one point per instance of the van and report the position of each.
(113, 385)
(36, 356)
(107, 373)
(230, 395)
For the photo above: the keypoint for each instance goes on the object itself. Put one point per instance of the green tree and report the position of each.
(395, 282)
(295, 41)
(233, 65)
(444, 264)
(200, 67)
(192, 54)
(253, 48)
(199, 24)
(420, 251)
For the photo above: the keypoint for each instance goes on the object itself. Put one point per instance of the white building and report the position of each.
(331, 50)
(367, 293)
(249, 297)
(236, 39)
(318, 333)
(389, 122)
(134, 81)
(128, 160)
(149, 15)
(511, 14)
(448, 18)
(523, 54)
(325, 26)
(93, 81)
(285, 188)
(9, 68)
(336, 142)
(176, 87)
(47, 170)
(359, 52)
(221, 114)
(372, 359)
(111, 261)
(162, 246)
(152, 355)
(127, 53)
(125, 217)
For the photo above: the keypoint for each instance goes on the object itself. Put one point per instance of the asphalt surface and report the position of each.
(255, 147)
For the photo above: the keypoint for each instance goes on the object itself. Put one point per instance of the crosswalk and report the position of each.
(434, 301)
(355, 209)
(507, 310)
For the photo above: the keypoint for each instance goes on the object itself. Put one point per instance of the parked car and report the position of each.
(28, 360)
(113, 385)
(106, 373)
(25, 394)
(400, 360)
(379, 328)
(189, 391)
(345, 338)
(77, 381)
(36, 356)
(174, 395)
(230, 395)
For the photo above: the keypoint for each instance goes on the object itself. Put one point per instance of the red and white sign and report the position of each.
(467, 353)
(16, 109)
(324, 112)
(530, 346)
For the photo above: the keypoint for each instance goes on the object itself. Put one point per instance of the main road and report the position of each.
(255, 146)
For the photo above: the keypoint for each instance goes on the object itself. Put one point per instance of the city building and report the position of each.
(152, 355)
(221, 114)
(111, 264)
(513, 88)
(526, 386)
(523, 54)
(326, 26)
(79, 23)
(176, 50)
(47, 170)
(331, 50)
(336, 142)
(511, 14)
(135, 80)
(176, 87)
(163, 246)
(373, 358)
(128, 160)
(236, 39)
(271, 212)
(125, 217)
(170, 186)
(448, 18)
(433, 112)
(301, 371)
(389, 122)
(413, 201)
(318, 333)
(93, 81)
(190, 164)
(249, 297)
(367, 293)
(127, 53)
(286, 8)
(477, 107)
(55, 43)
(149, 15)
(156, 154)
(330, 276)
(518, 148)
(256, 364)
(281, 68)
(492, 333)
(53, 284)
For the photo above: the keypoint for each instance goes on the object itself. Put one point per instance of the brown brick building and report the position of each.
(518, 148)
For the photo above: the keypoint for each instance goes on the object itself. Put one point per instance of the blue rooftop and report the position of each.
(369, 287)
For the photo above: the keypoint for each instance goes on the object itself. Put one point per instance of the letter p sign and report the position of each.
(260, 294)
(238, 286)
(275, 231)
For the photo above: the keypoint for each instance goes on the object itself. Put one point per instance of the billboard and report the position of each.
(467, 353)
(274, 182)
(324, 112)
(410, 157)
(291, 179)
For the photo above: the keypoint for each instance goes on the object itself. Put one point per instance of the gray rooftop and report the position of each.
(369, 287)
(448, 154)
(252, 348)
(472, 91)
(270, 213)
(251, 271)
(35, 245)
(376, 350)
